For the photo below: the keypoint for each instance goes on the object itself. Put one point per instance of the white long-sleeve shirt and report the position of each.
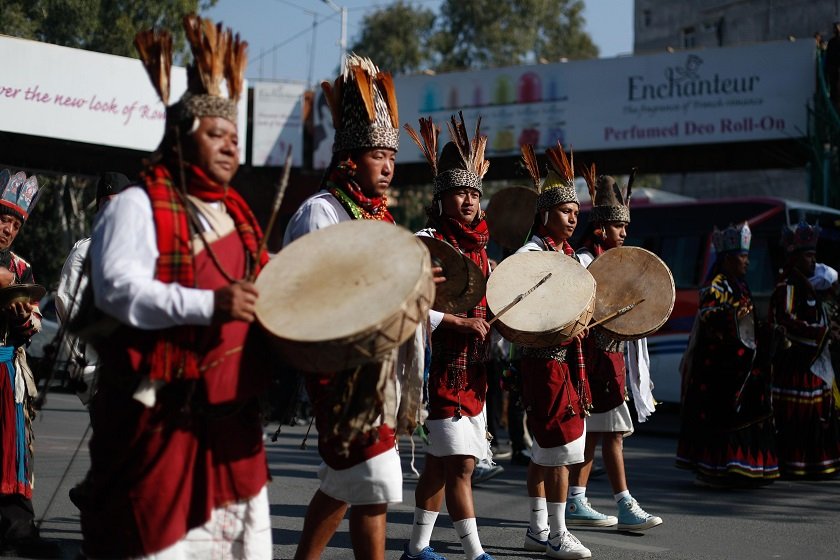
(124, 254)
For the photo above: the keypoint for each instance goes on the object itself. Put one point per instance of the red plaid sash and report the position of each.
(455, 351)
(174, 354)
(582, 382)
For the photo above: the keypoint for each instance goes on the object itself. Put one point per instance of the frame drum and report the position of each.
(345, 295)
(555, 312)
(626, 275)
(465, 283)
(510, 216)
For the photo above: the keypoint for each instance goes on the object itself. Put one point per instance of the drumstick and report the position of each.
(615, 314)
(519, 298)
(278, 200)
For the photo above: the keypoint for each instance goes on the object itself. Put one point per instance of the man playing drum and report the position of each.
(610, 420)
(457, 376)
(369, 476)
(178, 467)
(555, 397)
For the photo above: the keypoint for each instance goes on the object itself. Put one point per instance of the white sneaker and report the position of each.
(536, 542)
(566, 546)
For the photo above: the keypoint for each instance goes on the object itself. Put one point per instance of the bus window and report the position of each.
(761, 276)
(683, 255)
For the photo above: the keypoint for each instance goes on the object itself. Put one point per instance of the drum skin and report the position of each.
(626, 275)
(555, 312)
(345, 295)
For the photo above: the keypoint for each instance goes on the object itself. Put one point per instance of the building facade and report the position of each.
(675, 25)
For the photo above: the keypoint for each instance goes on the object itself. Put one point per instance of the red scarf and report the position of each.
(542, 232)
(174, 353)
(582, 381)
(342, 185)
(454, 350)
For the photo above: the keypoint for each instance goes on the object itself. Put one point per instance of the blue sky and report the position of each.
(279, 32)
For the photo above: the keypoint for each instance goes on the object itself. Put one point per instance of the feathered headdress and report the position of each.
(461, 162)
(559, 184)
(17, 194)
(363, 104)
(609, 202)
(218, 56)
(529, 160)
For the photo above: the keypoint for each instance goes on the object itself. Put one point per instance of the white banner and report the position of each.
(734, 94)
(277, 123)
(84, 96)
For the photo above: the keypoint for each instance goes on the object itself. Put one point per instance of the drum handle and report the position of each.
(519, 298)
(615, 314)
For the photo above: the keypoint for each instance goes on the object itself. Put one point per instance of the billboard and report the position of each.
(84, 96)
(277, 123)
(734, 94)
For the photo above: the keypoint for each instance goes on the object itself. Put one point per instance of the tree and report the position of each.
(105, 26)
(66, 202)
(397, 38)
(489, 33)
(475, 34)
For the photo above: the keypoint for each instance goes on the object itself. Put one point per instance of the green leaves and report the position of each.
(96, 25)
(472, 34)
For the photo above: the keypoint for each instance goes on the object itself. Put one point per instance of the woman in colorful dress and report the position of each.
(727, 436)
(807, 422)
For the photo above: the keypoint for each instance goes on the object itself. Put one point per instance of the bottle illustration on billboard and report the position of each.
(452, 98)
(529, 88)
(431, 98)
(502, 92)
(478, 96)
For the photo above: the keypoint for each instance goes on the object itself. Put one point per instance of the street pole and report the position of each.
(342, 42)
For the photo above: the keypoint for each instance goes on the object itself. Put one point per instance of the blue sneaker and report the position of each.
(485, 556)
(427, 553)
(536, 542)
(580, 513)
(631, 516)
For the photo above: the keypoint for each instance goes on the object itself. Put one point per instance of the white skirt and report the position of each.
(464, 436)
(375, 481)
(615, 420)
(568, 454)
(240, 531)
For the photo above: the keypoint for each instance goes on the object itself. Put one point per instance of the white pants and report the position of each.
(239, 531)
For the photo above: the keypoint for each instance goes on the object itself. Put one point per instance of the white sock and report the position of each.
(468, 533)
(421, 530)
(577, 491)
(539, 516)
(556, 518)
(621, 495)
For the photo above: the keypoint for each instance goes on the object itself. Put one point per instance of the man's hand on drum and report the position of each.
(235, 302)
(437, 275)
(19, 311)
(744, 310)
(469, 325)
(6, 277)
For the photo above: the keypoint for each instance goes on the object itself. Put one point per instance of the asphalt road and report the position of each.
(785, 520)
